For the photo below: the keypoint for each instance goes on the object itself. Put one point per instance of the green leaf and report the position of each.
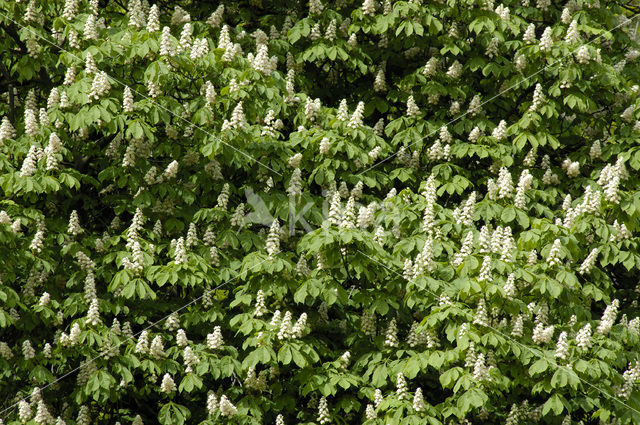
(553, 404)
(538, 367)
(285, 355)
(173, 414)
(559, 379)
(508, 214)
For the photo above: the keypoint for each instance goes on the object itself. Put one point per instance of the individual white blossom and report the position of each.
(90, 28)
(74, 224)
(369, 7)
(455, 70)
(168, 385)
(215, 340)
(324, 146)
(583, 338)
(93, 315)
(46, 350)
(627, 114)
(391, 338)
(481, 317)
(294, 190)
(546, 42)
(542, 334)
(260, 304)
(273, 240)
(377, 398)
(299, 327)
(153, 22)
(223, 197)
(502, 12)
(27, 350)
(74, 334)
(100, 85)
(492, 48)
(153, 89)
(190, 359)
(180, 253)
(37, 243)
(44, 117)
(181, 338)
(620, 232)
(261, 60)
(553, 258)
(510, 287)
(312, 107)
(582, 55)
(429, 193)
(608, 318)
(589, 262)
(573, 35)
(401, 387)
(6, 130)
(70, 9)
(353, 40)
(370, 412)
(43, 416)
(500, 132)
(30, 122)
(538, 98)
(562, 347)
(157, 348)
(355, 120)
(343, 111)
(285, 331)
(83, 417)
(349, 215)
(505, 184)
(90, 67)
(142, 346)
(323, 408)
(127, 100)
(431, 67)
(237, 117)
(212, 403)
(379, 83)
(412, 108)
(167, 47)
(73, 39)
(424, 260)
(136, 14)
(465, 250)
(631, 378)
(475, 134)
(480, 370)
(455, 107)
(418, 401)
(29, 163)
(186, 40)
(485, 270)
(517, 330)
(24, 411)
(530, 34)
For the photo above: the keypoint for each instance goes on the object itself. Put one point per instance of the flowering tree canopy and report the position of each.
(346, 212)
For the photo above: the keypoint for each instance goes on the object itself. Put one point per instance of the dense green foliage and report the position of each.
(457, 201)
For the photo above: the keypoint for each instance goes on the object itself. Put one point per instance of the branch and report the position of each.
(7, 77)
(344, 262)
(12, 31)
